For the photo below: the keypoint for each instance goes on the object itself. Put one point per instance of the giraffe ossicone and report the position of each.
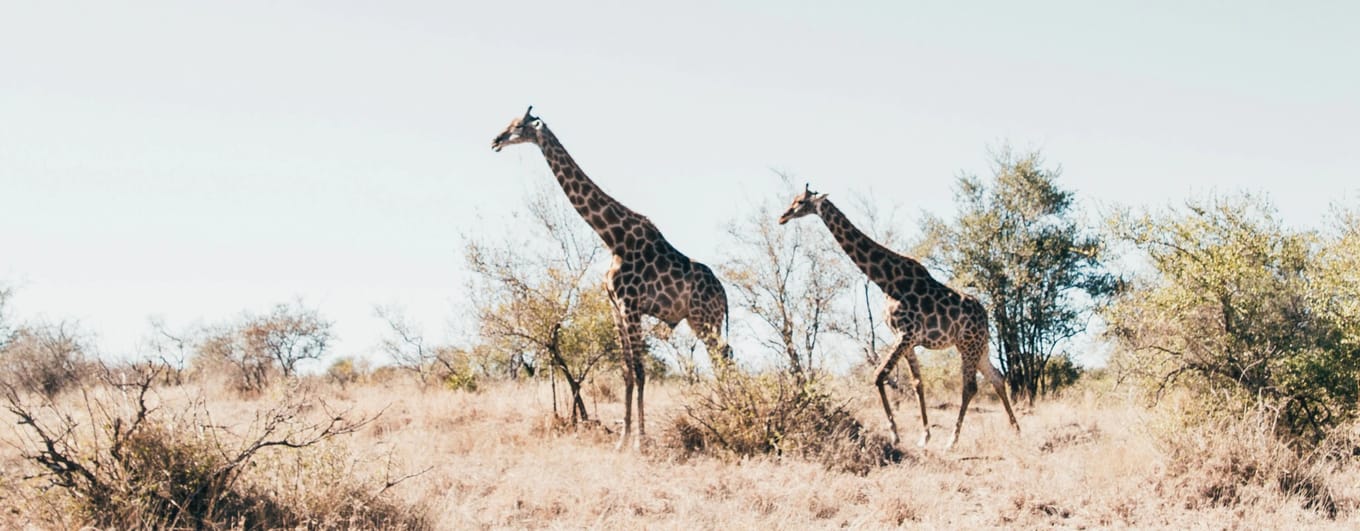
(920, 310)
(647, 276)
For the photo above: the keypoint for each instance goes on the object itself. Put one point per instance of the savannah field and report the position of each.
(1097, 457)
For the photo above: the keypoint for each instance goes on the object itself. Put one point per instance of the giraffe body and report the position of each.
(648, 276)
(920, 310)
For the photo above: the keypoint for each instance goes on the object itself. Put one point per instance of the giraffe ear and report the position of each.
(537, 124)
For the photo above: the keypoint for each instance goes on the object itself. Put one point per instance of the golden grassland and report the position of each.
(1096, 457)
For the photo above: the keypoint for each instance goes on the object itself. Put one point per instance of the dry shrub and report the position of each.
(324, 488)
(1221, 460)
(120, 460)
(604, 389)
(741, 415)
(1070, 434)
(45, 359)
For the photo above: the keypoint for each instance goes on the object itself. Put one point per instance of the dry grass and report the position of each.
(495, 458)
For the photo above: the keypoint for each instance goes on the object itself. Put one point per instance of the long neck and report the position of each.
(871, 257)
(607, 216)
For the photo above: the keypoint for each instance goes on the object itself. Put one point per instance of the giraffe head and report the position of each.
(527, 128)
(806, 203)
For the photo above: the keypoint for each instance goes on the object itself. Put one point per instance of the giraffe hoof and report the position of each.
(925, 438)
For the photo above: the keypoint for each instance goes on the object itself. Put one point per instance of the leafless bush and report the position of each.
(46, 359)
(431, 364)
(172, 349)
(127, 463)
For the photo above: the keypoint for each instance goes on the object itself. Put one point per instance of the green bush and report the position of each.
(1237, 305)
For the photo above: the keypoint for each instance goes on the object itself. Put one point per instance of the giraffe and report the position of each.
(921, 311)
(647, 277)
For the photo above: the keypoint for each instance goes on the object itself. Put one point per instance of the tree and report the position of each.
(1018, 246)
(288, 335)
(532, 296)
(260, 346)
(792, 280)
(1237, 303)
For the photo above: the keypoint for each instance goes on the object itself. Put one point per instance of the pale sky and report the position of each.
(194, 160)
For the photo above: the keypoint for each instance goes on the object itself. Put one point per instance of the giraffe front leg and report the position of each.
(634, 361)
(915, 365)
(625, 350)
(627, 397)
(881, 379)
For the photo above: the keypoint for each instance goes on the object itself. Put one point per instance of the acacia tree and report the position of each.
(532, 296)
(792, 281)
(1018, 246)
(288, 335)
(1237, 302)
(258, 347)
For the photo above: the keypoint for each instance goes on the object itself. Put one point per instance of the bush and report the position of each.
(43, 359)
(1217, 459)
(346, 371)
(741, 415)
(134, 465)
(1239, 306)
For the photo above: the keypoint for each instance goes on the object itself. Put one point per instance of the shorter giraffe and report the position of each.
(921, 311)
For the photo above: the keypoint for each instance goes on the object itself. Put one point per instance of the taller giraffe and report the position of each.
(922, 312)
(648, 276)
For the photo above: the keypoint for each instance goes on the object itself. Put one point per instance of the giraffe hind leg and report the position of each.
(971, 355)
(999, 384)
(970, 388)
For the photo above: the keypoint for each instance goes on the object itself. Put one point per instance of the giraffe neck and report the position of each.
(871, 257)
(609, 218)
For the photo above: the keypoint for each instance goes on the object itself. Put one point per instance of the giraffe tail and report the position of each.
(727, 328)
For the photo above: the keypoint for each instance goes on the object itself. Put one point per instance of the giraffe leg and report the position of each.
(970, 388)
(972, 356)
(640, 380)
(626, 349)
(881, 378)
(915, 365)
(999, 384)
